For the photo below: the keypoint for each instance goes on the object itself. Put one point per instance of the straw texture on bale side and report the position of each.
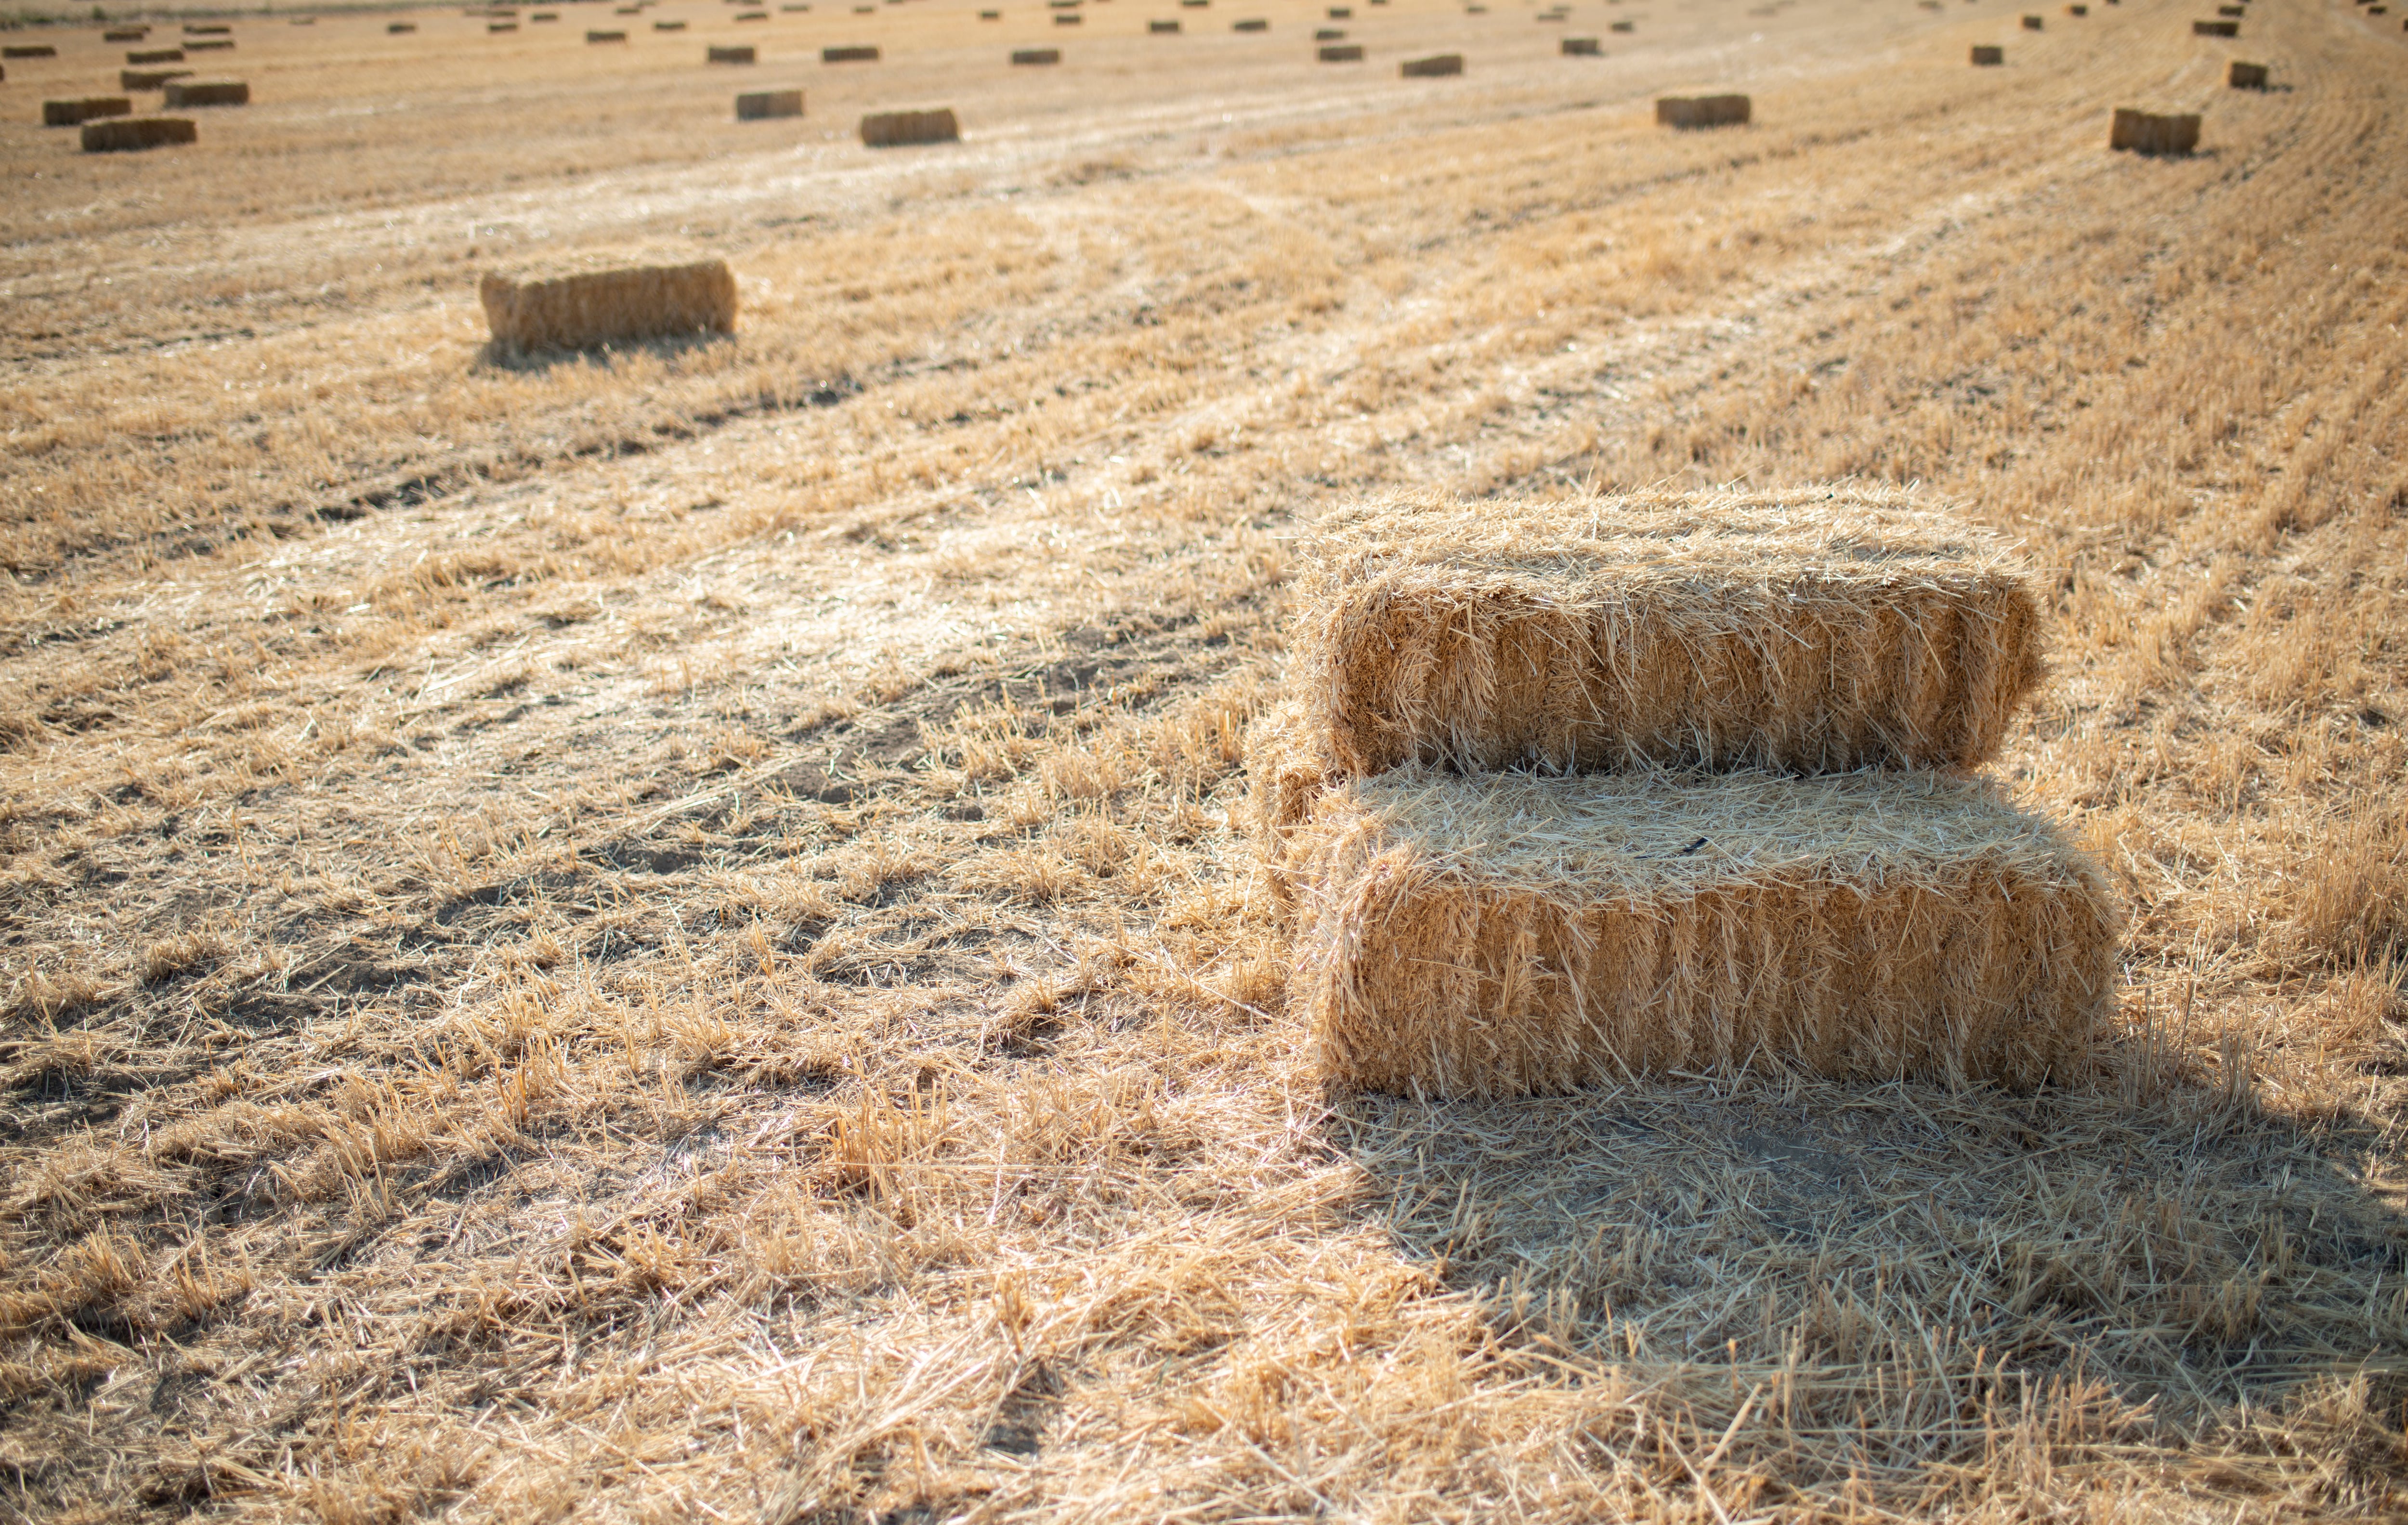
(72, 113)
(1432, 68)
(847, 55)
(763, 105)
(208, 93)
(130, 133)
(1510, 935)
(2144, 133)
(1579, 48)
(1703, 111)
(1803, 631)
(1987, 57)
(600, 299)
(2246, 75)
(1341, 53)
(896, 129)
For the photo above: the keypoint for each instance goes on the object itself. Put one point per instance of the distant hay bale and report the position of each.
(990, 15)
(900, 129)
(1432, 67)
(128, 134)
(1069, 18)
(148, 78)
(1703, 112)
(501, 26)
(208, 93)
(131, 34)
(40, 50)
(1988, 57)
(752, 15)
(2235, 11)
(732, 55)
(1342, 13)
(75, 113)
(1194, 5)
(2216, 29)
(1162, 28)
(398, 28)
(1800, 630)
(155, 55)
(309, 20)
(1329, 34)
(765, 105)
(668, 26)
(1581, 48)
(847, 55)
(2032, 23)
(1341, 53)
(206, 30)
(1251, 26)
(606, 37)
(2245, 76)
(211, 45)
(1035, 55)
(1623, 26)
(2077, 11)
(586, 300)
(2144, 133)
(1512, 936)
(545, 16)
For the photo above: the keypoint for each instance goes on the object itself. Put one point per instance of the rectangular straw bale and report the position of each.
(155, 55)
(585, 300)
(733, 55)
(32, 49)
(1622, 26)
(1703, 112)
(2032, 23)
(763, 105)
(208, 93)
(1807, 631)
(1162, 28)
(2246, 75)
(897, 129)
(2216, 29)
(606, 37)
(206, 30)
(2145, 133)
(1032, 56)
(1255, 24)
(74, 113)
(1579, 48)
(148, 78)
(1341, 53)
(847, 55)
(1988, 57)
(211, 45)
(1432, 68)
(1509, 935)
(131, 34)
(129, 132)
(1329, 34)
(1069, 18)
(668, 26)
(501, 26)
(395, 29)
(752, 15)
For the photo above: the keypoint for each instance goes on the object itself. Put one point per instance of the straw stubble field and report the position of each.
(668, 935)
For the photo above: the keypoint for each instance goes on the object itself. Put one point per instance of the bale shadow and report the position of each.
(497, 354)
(1907, 1278)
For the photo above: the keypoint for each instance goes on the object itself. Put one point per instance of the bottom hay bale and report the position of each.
(2144, 133)
(895, 129)
(148, 78)
(71, 113)
(130, 133)
(208, 93)
(1430, 68)
(586, 300)
(1507, 934)
(763, 105)
(1703, 111)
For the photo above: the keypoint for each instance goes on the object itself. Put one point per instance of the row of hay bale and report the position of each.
(2148, 132)
(1564, 793)
(107, 122)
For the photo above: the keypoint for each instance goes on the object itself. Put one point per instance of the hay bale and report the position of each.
(34, 49)
(1801, 630)
(1432, 67)
(990, 15)
(1988, 57)
(2031, 23)
(148, 78)
(732, 55)
(1035, 55)
(131, 34)
(211, 45)
(1509, 935)
(2077, 11)
(1581, 48)
(127, 134)
(394, 29)
(545, 16)
(1342, 13)
(1623, 26)
(2216, 29)
(586, 300)
(847, 55)
(1162, 28)
(2245, 76)
(2144, 133)
(1703, 112)
(899, 129)
(1329, 34)
(668, 26)
(765, 105)
(208, 93)
(1341, 53)
(2235, 11)
(1069, 18)
(1194, 5)
(591, 36)
(156, 55)
(500, 27)
(208, 29)
(75, 113)
(752, 15)
(1251, 26)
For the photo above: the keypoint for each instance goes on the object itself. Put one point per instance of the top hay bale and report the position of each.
(1703, 112)
(1509, 936)
(582, 301)
(1804, 632)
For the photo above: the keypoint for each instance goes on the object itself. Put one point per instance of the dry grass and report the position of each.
(660, 936)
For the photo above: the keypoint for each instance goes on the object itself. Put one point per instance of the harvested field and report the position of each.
(1507, 935)
(668, 933)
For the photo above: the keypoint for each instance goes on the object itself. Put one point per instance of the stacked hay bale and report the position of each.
(1564, 793)
(581, 300)
(75, 113)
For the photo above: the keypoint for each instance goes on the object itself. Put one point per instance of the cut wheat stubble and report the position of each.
(1511, 934)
